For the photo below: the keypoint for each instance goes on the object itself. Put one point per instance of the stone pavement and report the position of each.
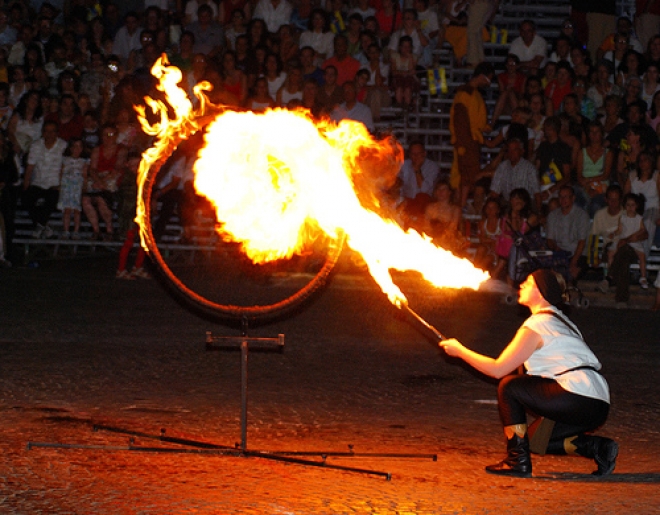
(79, 348)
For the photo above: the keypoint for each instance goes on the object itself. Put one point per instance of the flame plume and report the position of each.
(278, 179)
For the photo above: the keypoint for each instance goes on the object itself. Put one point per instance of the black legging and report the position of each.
(573, 414)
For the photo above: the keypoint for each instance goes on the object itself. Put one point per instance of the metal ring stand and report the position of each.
(242, 342)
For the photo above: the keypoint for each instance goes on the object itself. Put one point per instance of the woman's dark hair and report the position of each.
(639, 200)
(324, 15)
(523, 195)
(67, 152)
(491, 200)
(277, 60)
(67, 74)
(21, 108)
(641, 62)
(264, 32)
(654, 110)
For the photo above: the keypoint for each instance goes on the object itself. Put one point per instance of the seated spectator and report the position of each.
(628, 248)
(388, 18)
(585, 105)
(645, 182)
(454, 28)
(8, 199)
(105, 174)
(17, 85)
(530, 48)
(411, 29)
(128, 133)
(292, 89)
(650, 85)
(605, 223)
(567, 232)
(548, 74)
(234, 80)
(558, 88)
(274, 13)
(353, 31)
(616, 55)
(533, 86)
(127, 38)
(536, 119)
(309, 97)
(192, 8)
(363, 8)
(42, 179)
(309, 69)
(572, 112)
(318, 36)
(511, 86)
(288, 47)
(330, 94)
(442, 219)
(653, 115)
(428, 22)
(562, 50)
(624, 29)
(518, 221)
(209, 35)
(378, 93)
(514, 173)
(274, 74)
(594, 166)
(260, 100)
(235, 26)
(611, 117)
(518, 128)
(632, 66)
(581, 62)
(476, 203)
(347, 66)
(25, 124)
(91, 135)
(67, 118)
(489, 228)
(6, 109)
(351, 109)
(300, 15)
(403, 67)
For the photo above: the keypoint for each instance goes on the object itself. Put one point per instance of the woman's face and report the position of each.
(517, 203)
(652, 75)
(645, 163)
(271, 63)
(529, 293)
(603, 74)
(632, 62)
(577, 56)
(536, 104)
(563, 76)
(443, 193)
(634, 88)
(570, 107)
(262, 88)
(595, 134)
(492, 210)
(631, 208)
(318, 22)
(33, 101)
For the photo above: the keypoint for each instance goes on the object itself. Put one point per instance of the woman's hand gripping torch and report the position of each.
(449, 345)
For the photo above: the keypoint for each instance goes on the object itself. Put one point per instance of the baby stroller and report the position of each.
(529, 252)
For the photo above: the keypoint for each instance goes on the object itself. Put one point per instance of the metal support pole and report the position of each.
(244, 383)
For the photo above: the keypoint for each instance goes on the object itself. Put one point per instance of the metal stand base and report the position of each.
(232, 343)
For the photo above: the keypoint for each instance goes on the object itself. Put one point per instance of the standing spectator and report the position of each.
(347, 66)
(72, 180)
(209, 36)
(351, 109)
(516, 172)
(275, 13)
(481, 13)
(568, 229)
(8, 34)
(530, 48)
(42, 179)
(467, 123)
(127, 38)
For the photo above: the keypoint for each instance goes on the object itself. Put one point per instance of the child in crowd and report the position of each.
(72, 178)
(91, 135)
(518, 128)
(130, 181)
(403, 67)
(488, 231)
(631, 224)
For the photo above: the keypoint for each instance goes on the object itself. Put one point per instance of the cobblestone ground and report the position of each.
(79, 348)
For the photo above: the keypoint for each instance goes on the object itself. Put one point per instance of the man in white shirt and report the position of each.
(531, 49)
(351, 109)
(418, 174)
(274, 13)
(42, 179)
(128, 37)
(516, 172)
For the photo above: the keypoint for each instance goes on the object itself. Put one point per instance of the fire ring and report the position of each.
(226, 310)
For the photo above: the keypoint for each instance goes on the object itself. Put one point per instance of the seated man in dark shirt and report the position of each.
(553, 159)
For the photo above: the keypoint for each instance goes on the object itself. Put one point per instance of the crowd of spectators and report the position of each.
(583, 114)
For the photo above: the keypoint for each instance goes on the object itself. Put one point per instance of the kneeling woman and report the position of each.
(562, 382)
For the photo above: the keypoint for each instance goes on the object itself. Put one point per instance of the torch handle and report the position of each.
(437, 333)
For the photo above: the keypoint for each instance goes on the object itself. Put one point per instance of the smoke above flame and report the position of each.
(278, 180)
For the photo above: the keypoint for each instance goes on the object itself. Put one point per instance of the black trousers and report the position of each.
(620, 271)
(573, 414)
(40, 203)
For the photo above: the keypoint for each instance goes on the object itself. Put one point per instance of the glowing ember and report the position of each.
(277, 179)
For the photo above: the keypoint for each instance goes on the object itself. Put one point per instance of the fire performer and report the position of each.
(562, 382)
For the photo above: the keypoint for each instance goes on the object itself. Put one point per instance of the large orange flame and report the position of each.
(278, 178)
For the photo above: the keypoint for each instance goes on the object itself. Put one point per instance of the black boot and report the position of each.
(602, 450)
(517, 462)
